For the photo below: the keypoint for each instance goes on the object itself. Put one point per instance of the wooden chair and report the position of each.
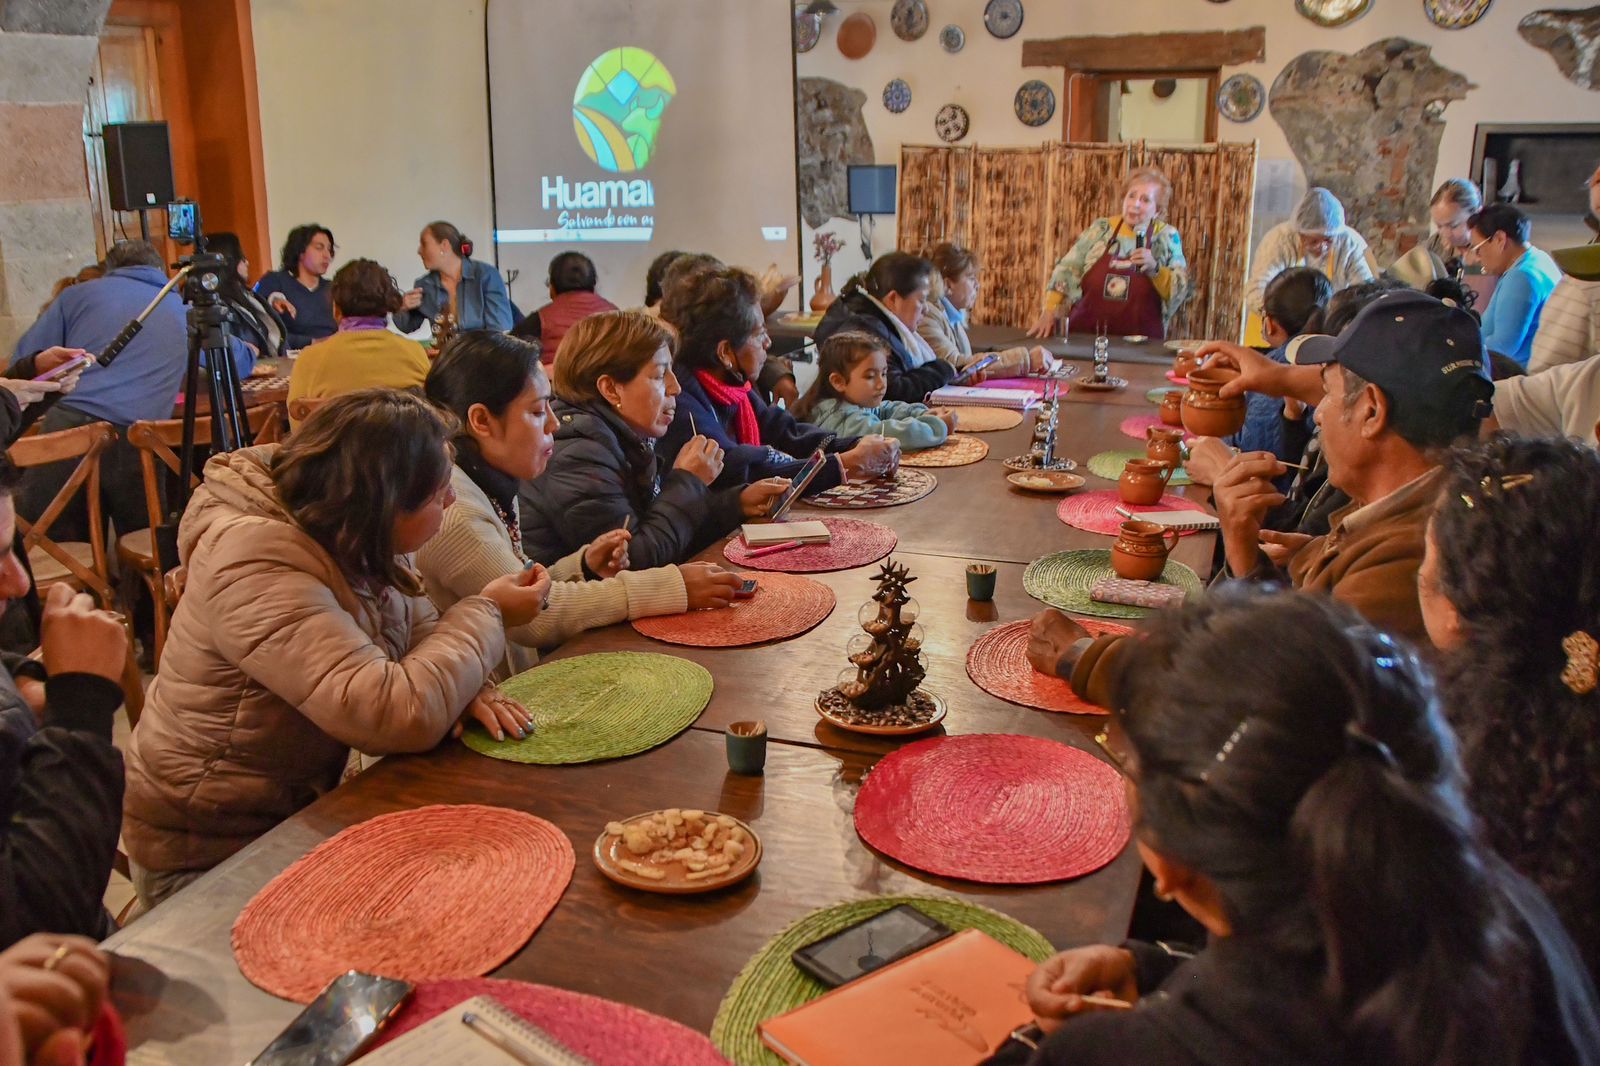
(81, 565)
(304, 408)
(158, 442)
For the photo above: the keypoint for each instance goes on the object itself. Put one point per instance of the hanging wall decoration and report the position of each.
(1572, 37)
(1332, 12)
(952, 123)
(1455, 14)
(1003, 18)
(857, 35)
(896, 96)
(1241, 97)
(909, 18)
(1035, 103)
(953, 39)
(807, 31)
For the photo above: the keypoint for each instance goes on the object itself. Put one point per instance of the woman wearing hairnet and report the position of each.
(1315, 237)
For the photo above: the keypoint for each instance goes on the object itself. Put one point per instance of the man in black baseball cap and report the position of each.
(1404, 380)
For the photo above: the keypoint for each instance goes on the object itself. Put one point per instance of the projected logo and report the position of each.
(618, 107)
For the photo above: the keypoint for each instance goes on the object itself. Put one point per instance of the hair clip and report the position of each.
(1358, 741)
(1582, 671)
(1226, 749)
(1506, 482)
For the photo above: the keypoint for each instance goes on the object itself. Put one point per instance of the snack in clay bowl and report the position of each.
(678, 851)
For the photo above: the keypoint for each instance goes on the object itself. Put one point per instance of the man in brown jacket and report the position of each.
(1406, 379)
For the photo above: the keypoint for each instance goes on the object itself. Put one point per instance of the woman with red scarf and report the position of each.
(723, 346)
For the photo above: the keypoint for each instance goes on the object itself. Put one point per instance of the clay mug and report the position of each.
(1186, 360)
(1172, 407)
(1164, 445)
(1140, 553)
(1205, 412)
(1143, 481)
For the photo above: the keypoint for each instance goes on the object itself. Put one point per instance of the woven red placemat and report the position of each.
(998, 663)
(605, 1032)
(443, 891)
(1177, 379)
(1096, 512)
(784, 606)
(994, 808)
(856, 542)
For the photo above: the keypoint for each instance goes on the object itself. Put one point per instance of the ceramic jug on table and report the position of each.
(1141, 550)
(1164, 445)
(1205, 412)
(1143, 481)
(1172, 407)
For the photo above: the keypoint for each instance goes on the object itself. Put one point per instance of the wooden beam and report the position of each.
(1149, 51)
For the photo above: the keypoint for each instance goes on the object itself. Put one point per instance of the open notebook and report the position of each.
(1179, 520)
(448, 1041)
(972, 396)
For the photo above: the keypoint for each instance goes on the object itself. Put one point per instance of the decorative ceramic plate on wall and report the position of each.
(1003, 18)
(807, 31)
(1455, 14)
(909, 19)
(953, 39)
(1241, 97)
(897, 96)
(1035, 103)
(1332, 12)
(952, 123)
(857, 34)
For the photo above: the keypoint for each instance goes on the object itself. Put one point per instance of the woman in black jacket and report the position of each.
(1300, 797)
(887, 301)
(724, 342)
(253, 321)
(615, 397)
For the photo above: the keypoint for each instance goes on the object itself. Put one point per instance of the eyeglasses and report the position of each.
(1474, 249)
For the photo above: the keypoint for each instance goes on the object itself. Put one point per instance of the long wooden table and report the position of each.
(186, 1002)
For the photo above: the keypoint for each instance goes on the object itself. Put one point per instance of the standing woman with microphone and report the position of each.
(456, 282)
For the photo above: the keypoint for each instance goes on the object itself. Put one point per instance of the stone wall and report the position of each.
(47, 50)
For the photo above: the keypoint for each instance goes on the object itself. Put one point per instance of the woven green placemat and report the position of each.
(600, 706)
(1109, 466)
(1155, 394)
(771, 984)
(1064, 579)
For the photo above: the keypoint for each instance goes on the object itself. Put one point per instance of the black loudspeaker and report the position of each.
(138, 165)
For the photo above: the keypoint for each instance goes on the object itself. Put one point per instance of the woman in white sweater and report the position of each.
(495, 387)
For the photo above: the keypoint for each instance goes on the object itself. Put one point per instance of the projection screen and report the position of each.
(624, 128)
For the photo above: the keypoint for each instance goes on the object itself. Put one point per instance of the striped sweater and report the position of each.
(472, 548)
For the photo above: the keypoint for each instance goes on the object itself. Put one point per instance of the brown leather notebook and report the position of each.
(951, 1004)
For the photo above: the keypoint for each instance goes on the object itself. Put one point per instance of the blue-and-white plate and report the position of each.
(1003, 18)
(1035, 103)
(897, 96)
(1241, 97)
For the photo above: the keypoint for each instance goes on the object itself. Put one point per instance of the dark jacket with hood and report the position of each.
(908, 383)
(600, 474)
(785, 445)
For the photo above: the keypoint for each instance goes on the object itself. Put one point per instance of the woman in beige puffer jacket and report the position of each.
(279, 661)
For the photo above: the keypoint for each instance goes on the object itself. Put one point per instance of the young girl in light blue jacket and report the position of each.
(847, 397)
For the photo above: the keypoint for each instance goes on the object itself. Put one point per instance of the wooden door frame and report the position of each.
(1083, 120)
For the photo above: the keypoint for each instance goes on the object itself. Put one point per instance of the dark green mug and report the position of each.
(747, 747)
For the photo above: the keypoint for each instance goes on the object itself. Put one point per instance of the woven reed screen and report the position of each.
(1021, 209)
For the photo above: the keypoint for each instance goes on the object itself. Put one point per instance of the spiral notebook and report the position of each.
(973, 396)
(501, 1038)
(1180, 520)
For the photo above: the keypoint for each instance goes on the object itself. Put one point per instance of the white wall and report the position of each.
(374, 122)
(1177, 119)
(1516, 82)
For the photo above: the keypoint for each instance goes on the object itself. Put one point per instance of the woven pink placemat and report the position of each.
(994, 808)
(605, 1032)
(856, 542)
(998, 663)
(1135, 425)
(1036, 385)
(784, 606)
(442, 891)
(1177, 379)
(1096, 512)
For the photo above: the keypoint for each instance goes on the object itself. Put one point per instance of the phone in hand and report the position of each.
(75, 363)
(857, 950)
(981, 365)
(747, 588)
(339, 1024)
(797, 485)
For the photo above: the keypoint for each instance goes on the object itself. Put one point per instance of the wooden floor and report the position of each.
(185, 1001)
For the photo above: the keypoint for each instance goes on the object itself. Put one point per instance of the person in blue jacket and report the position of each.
(723, 346)
(474, 290)
(888, 301)
(1500, 242)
